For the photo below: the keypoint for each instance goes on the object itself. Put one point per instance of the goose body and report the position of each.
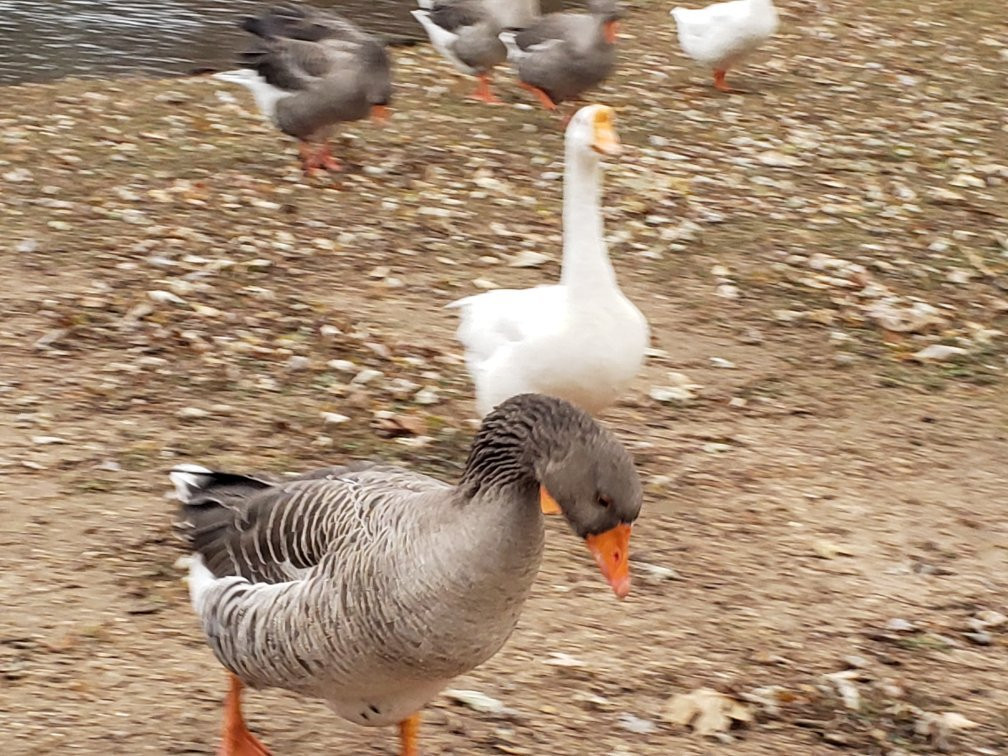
(560, 56)
(465, 33)
(371, 586)
(581, 339)
(722, 35)
(311, 71)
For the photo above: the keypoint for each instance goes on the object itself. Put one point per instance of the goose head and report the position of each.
(591, 131)
(593, 483)
(377, 78)
(609, 12)
(587, 475)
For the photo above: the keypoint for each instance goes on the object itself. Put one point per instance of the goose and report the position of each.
(371, 586)
(560, 56)
(312, 71)
(580, 339)
(722, 35)
(466, 35)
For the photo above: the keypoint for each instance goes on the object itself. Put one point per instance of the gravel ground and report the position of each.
(823, 423)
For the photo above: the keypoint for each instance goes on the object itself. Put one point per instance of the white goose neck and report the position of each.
(585, 257)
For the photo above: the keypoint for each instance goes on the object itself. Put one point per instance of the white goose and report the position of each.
(581, 339)
(722, 35)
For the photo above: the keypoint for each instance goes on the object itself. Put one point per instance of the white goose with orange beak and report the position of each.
(580, 339)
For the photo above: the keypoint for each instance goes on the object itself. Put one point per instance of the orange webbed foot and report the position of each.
(719, 81)
(236, 740)
(545, 99)
(483, 93)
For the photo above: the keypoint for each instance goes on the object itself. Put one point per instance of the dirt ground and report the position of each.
(821, 502)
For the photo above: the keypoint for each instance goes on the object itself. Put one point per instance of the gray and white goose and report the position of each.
(311, 71)
(560, 56)
(467, 36)
(372, 586)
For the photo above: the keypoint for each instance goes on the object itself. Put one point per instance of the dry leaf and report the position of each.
(707, 711)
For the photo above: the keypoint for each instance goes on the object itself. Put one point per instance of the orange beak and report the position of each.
(379, 113)
(611, 550)
(547, 503)
(611, 29)
(605, 140)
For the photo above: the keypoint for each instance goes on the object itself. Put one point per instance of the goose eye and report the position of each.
(604, 501)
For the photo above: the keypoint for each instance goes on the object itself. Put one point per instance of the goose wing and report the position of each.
(272, 531)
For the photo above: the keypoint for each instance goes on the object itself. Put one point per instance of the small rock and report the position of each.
(334, 418)
(715, 447)
(162, 297)
(528, 258)
(855, 661)
(560, 659)
(990, 618)
(981, 638)
(898, 625)
(191, 413)
(427, 395)
(666, 394)
(721, 362)
(47, 440)
(476, 701)
(938, 353)
(843, 681)
(297, 363)
(365, 376)
(633, 723)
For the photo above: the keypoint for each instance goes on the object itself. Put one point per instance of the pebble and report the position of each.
(939, 353)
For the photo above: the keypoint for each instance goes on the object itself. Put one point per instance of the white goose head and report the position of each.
(591, 132)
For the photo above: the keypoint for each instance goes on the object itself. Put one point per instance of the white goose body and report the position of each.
(722, 35)
(582, 339)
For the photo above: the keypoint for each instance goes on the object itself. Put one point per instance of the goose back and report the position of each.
(361, 584)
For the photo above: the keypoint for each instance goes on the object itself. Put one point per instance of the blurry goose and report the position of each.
(466, 35)
(371, 586)
(580, 339)
(562, 55)
(312, 71)
(514, 14)
(722, 35)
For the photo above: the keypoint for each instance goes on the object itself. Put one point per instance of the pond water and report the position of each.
(46, 39)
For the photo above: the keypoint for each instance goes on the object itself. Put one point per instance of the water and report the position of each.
(42, 40)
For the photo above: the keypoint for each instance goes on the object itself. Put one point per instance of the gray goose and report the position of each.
(560, 56)
(371, 586)
(311, 71)
(466, 35)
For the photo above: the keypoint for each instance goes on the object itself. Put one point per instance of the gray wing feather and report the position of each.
(270, 532)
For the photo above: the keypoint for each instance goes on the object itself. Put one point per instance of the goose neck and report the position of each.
(585, 257)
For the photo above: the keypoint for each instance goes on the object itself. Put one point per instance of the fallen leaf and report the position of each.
(707, 711)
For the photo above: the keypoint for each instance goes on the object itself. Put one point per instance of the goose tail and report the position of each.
(514, 52)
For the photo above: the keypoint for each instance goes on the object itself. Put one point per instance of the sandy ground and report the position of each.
(825, 502)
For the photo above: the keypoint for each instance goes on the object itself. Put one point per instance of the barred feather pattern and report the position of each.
(373, 586)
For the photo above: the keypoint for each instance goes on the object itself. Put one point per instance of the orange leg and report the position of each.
(719, 80)
(236, 740)
(409, 735)
(307, 158)
(544, 98)
(483, 93)
(324, 159)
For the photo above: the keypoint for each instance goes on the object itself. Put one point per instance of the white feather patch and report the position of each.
(187, 479)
